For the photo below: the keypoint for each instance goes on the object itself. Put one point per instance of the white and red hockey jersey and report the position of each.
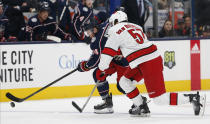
(132, 42)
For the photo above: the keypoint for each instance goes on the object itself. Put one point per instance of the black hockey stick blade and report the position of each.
(76, 106)
(13, 98)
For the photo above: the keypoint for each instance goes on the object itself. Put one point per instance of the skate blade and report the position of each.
(141, 115)
(203, 102)
(104, 111)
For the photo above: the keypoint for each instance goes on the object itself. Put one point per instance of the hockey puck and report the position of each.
(12, 104)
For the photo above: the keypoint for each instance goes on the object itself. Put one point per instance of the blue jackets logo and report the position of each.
(69, 62)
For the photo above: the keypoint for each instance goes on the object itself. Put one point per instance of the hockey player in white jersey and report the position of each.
(145, 62)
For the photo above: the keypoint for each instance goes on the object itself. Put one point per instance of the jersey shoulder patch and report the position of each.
(34, 19)
(85, 9)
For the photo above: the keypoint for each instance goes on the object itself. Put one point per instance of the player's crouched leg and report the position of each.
(139, 107)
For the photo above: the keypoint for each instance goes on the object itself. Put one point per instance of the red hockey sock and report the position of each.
(173, 98)
(133, 93)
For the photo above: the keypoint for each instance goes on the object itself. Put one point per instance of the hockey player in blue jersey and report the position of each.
(82, 14)
(118, 66)
(41, 25)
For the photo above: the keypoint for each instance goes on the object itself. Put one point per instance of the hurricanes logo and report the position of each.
(169, 59)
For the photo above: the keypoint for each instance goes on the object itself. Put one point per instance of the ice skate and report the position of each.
(198, 103)
(106, 107)
(142, 110)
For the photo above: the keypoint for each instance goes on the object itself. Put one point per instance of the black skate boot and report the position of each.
(196, 102)
(142, 110)
(106, 107)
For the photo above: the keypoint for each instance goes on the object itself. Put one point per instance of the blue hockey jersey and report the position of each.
(79, 20)
(36, 30)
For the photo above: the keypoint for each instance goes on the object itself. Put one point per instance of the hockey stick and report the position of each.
(64, 9)
(54, 38)
(83, 107)
(61, 17)
(16, 99)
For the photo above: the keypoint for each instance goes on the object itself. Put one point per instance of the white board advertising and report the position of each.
(36, 65)
(176, 57)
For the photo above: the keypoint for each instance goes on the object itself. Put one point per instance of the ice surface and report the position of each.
(60, 111)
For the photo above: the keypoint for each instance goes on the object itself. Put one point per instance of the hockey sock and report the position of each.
(171, 99)
(135, 97)
(178, 99)
(131, 90)
(103, 89)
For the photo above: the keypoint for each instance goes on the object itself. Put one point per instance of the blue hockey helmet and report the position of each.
(43, 6)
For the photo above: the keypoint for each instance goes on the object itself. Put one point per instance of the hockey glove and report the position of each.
(82, 67)
(68, 37)
(12, 39)
(100, 75)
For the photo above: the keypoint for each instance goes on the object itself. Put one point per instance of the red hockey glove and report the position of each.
(100, 75)
(82, 67)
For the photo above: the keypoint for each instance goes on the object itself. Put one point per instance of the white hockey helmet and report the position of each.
(118, 16)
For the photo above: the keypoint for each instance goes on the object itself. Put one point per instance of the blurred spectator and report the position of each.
(188, 30)
(180, 31)
(187, 6)
(41, 25)
(163, 4)
(202, 9)
(29, 5)
(52, 6)
(137, 11)
(206, 31)
(24, 6)
(101, 6)
(167, 30)
(64, 14)
(178, 5)
(3, 24)
(20, 4)
(15, 17)
(83, 14)
(12, 2)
